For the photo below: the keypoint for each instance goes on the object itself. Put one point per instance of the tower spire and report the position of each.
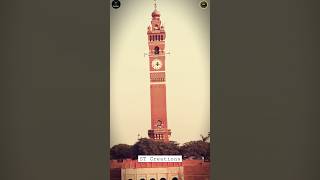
(155, 4)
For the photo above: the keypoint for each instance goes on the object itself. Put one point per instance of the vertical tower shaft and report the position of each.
(156, 42)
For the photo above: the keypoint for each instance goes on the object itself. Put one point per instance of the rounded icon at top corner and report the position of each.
(116, 4)
(203, 4)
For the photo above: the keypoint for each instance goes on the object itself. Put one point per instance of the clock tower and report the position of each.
(156, 41)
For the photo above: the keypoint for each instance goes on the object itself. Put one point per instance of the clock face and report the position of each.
(156, 64)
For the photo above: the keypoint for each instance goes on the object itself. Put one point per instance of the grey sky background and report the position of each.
(187, 69)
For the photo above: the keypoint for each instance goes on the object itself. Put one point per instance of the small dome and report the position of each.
(155, 13)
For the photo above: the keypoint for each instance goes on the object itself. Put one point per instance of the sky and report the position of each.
(187, 29)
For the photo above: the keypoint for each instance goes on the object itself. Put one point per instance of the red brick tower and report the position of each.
(156, 40)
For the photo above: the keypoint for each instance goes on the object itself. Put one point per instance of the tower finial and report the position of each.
(155, 4)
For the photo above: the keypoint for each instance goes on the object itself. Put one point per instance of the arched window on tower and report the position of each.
(161, 37)
(174, 178)
(156, 50)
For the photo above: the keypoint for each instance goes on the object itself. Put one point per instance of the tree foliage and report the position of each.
(205, 138)
(121, 151)
(145, 146)
(197, 149)
(151, 147)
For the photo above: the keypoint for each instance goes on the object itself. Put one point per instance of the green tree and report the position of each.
(198, 149)
(121, 151)
(146, 146)
(205, 138)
